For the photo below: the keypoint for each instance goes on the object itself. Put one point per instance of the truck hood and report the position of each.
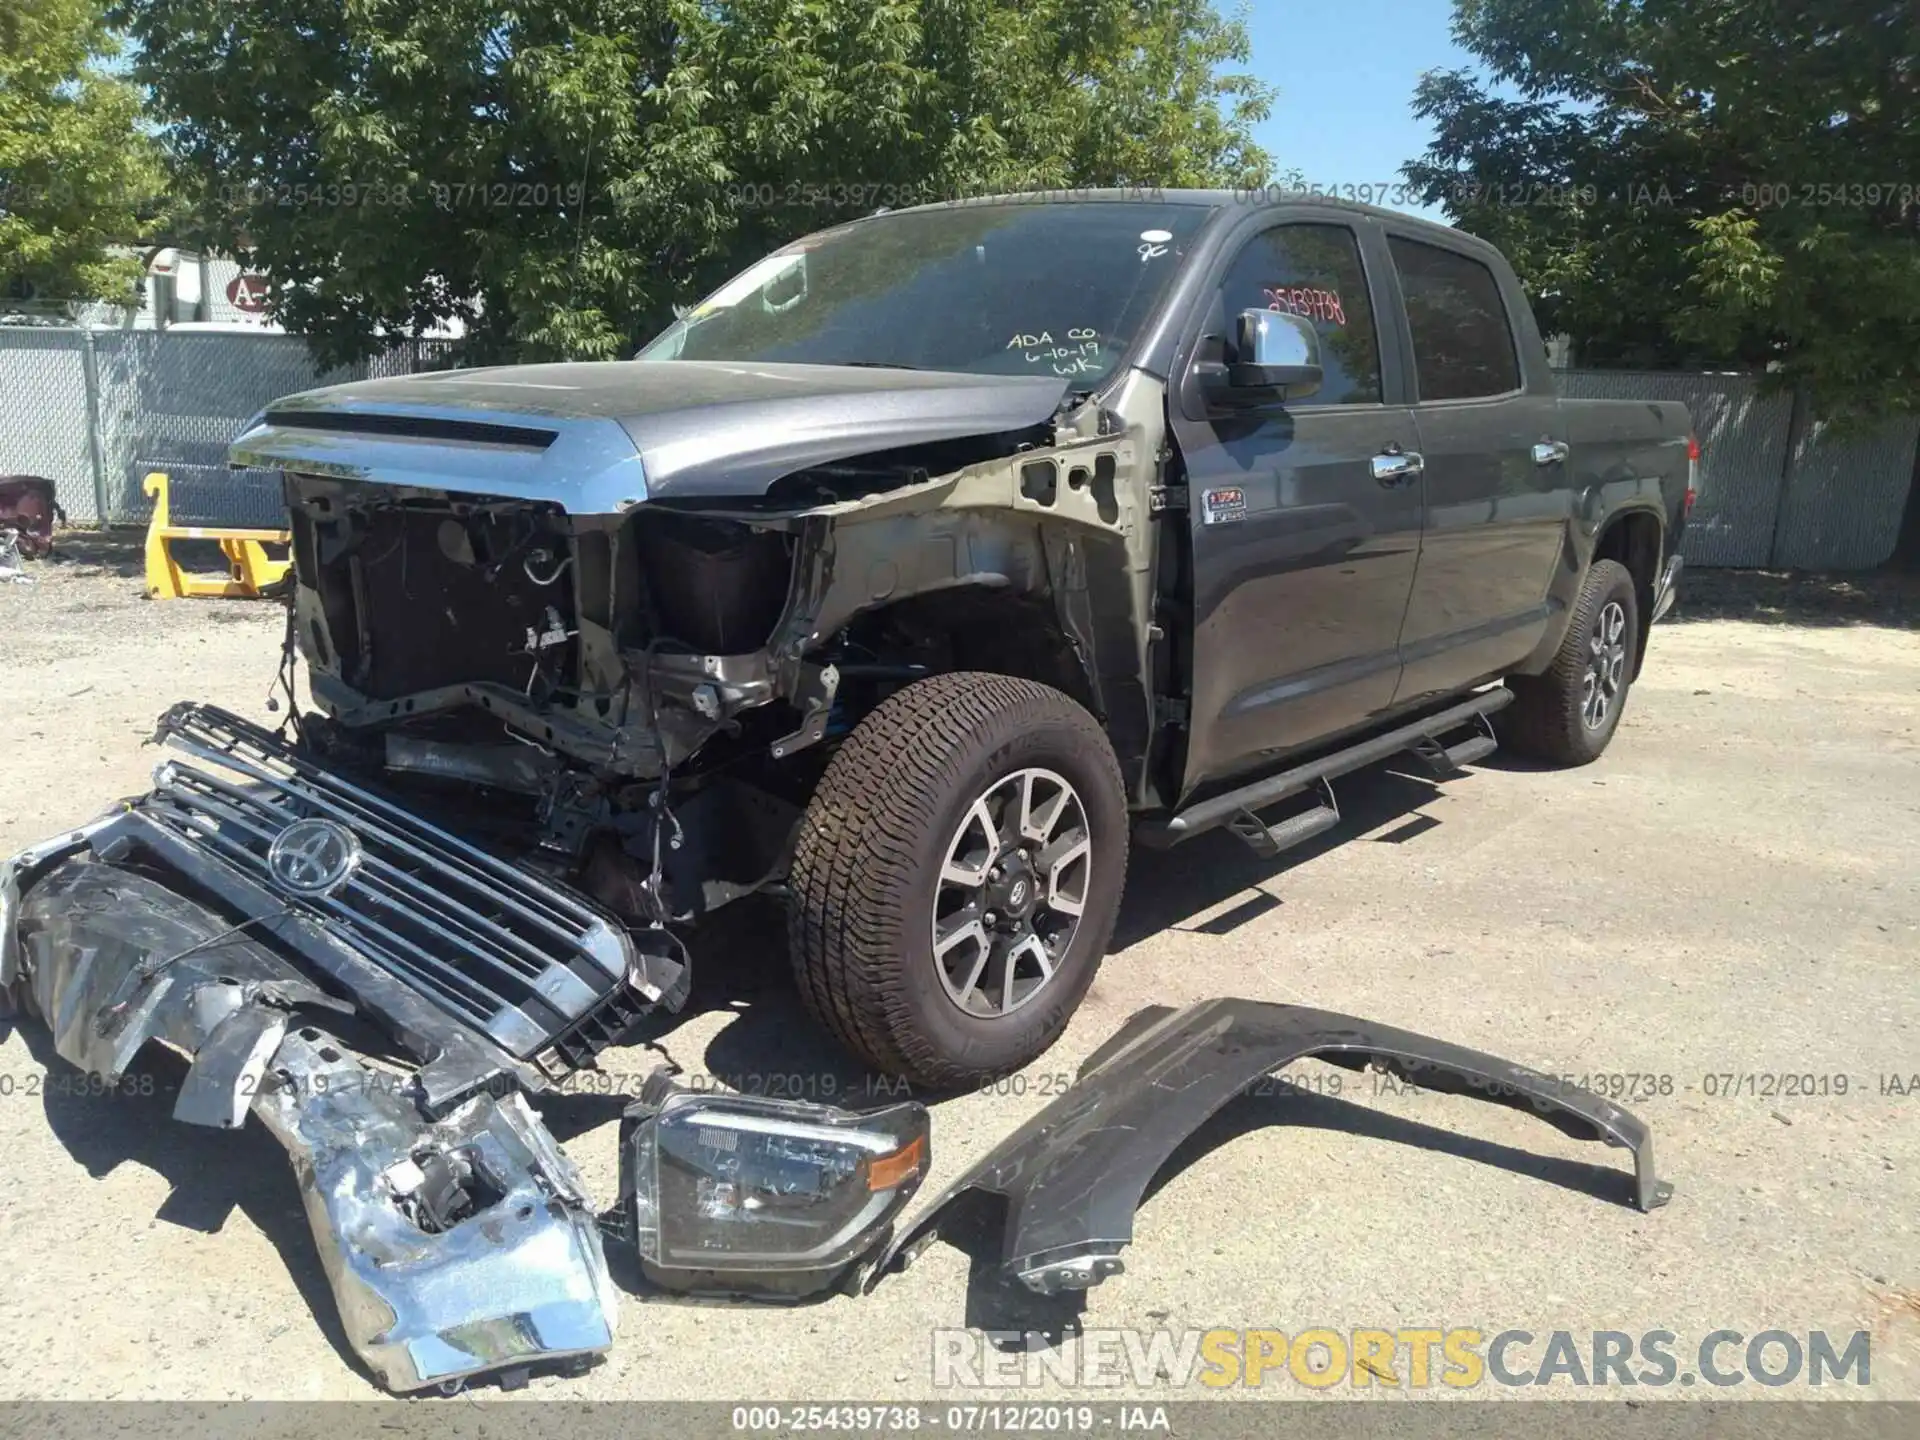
(599, 437)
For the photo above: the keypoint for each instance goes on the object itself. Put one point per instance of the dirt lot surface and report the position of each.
(1729, 897)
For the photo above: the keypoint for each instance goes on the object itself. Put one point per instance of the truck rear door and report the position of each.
(1498, 488)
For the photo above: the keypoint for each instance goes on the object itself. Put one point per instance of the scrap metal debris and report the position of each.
(10, 559)
(27, 514)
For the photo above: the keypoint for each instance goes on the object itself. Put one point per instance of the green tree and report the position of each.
(560, 175)
(77, 172)
(1700, 182)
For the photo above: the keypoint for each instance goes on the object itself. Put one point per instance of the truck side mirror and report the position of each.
(1275, 352)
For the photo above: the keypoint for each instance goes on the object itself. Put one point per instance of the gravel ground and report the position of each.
(1730, 893)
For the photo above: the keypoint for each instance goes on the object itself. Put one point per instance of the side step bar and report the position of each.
(1269, 840)
(1444, 759)
(1238, 809)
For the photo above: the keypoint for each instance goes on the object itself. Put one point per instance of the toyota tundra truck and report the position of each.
(913, 577)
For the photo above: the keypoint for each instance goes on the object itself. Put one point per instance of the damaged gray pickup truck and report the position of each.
(909, 577)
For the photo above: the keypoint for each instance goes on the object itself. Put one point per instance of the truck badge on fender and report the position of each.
(1224, 505)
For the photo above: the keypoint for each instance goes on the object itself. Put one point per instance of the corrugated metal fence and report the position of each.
(96, 410)
(1775, 488)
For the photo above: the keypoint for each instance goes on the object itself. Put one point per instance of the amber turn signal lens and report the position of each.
(887, 1172)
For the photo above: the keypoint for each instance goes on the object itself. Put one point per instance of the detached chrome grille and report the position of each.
(524, 961)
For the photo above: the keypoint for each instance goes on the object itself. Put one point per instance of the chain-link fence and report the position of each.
(95, 410)
(47, 412)
(1743, 444)
(1842, 500)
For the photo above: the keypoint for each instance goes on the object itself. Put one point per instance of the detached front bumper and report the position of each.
(458, 1247)
(432, 1296)
(456, 1234)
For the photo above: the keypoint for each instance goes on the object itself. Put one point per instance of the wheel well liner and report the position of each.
(1635, 538)
(1046, 601)
(993, 629)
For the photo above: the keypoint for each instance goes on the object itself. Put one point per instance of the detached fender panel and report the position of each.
(1073, 1176)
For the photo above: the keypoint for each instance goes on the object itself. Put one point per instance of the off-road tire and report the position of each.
(868, 856)
(1545, 721)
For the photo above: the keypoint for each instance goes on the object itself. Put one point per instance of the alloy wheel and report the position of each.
(1012, 889)
(1606, 665)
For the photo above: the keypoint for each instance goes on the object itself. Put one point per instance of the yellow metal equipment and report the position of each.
(249, 568)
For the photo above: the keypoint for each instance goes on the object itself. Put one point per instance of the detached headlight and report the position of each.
(736, 1194)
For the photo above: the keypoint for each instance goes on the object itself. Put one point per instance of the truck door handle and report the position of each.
(1398, 467)
(1550, 452)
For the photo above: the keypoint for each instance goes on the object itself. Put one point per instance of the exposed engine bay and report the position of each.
(640, 702)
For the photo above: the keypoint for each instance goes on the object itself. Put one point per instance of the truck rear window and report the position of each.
(1462, 339)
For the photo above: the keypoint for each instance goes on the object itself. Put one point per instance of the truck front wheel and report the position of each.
(956, 877)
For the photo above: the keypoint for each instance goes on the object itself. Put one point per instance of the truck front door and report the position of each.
(1302, 559)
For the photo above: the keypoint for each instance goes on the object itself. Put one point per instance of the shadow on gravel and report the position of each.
(771, 1047)
(107, 552)
(1792, 597)
(1506, 762)
(1167, 888)
(1305, 1109)
(212, 1172)
(121, 554)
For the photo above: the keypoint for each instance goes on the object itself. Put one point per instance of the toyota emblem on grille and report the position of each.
(313, 857)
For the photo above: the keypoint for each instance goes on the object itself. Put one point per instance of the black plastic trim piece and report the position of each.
(1073, 1176)
(413, 427)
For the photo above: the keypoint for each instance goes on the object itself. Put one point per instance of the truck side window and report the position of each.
(1462, 339)
(1314, 271)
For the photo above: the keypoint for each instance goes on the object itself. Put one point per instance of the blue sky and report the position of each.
(1345, 70)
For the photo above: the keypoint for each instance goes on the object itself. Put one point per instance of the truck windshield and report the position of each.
(1010, 288)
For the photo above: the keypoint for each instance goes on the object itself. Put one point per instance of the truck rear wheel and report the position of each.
(957, 876)
(1567, 715)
